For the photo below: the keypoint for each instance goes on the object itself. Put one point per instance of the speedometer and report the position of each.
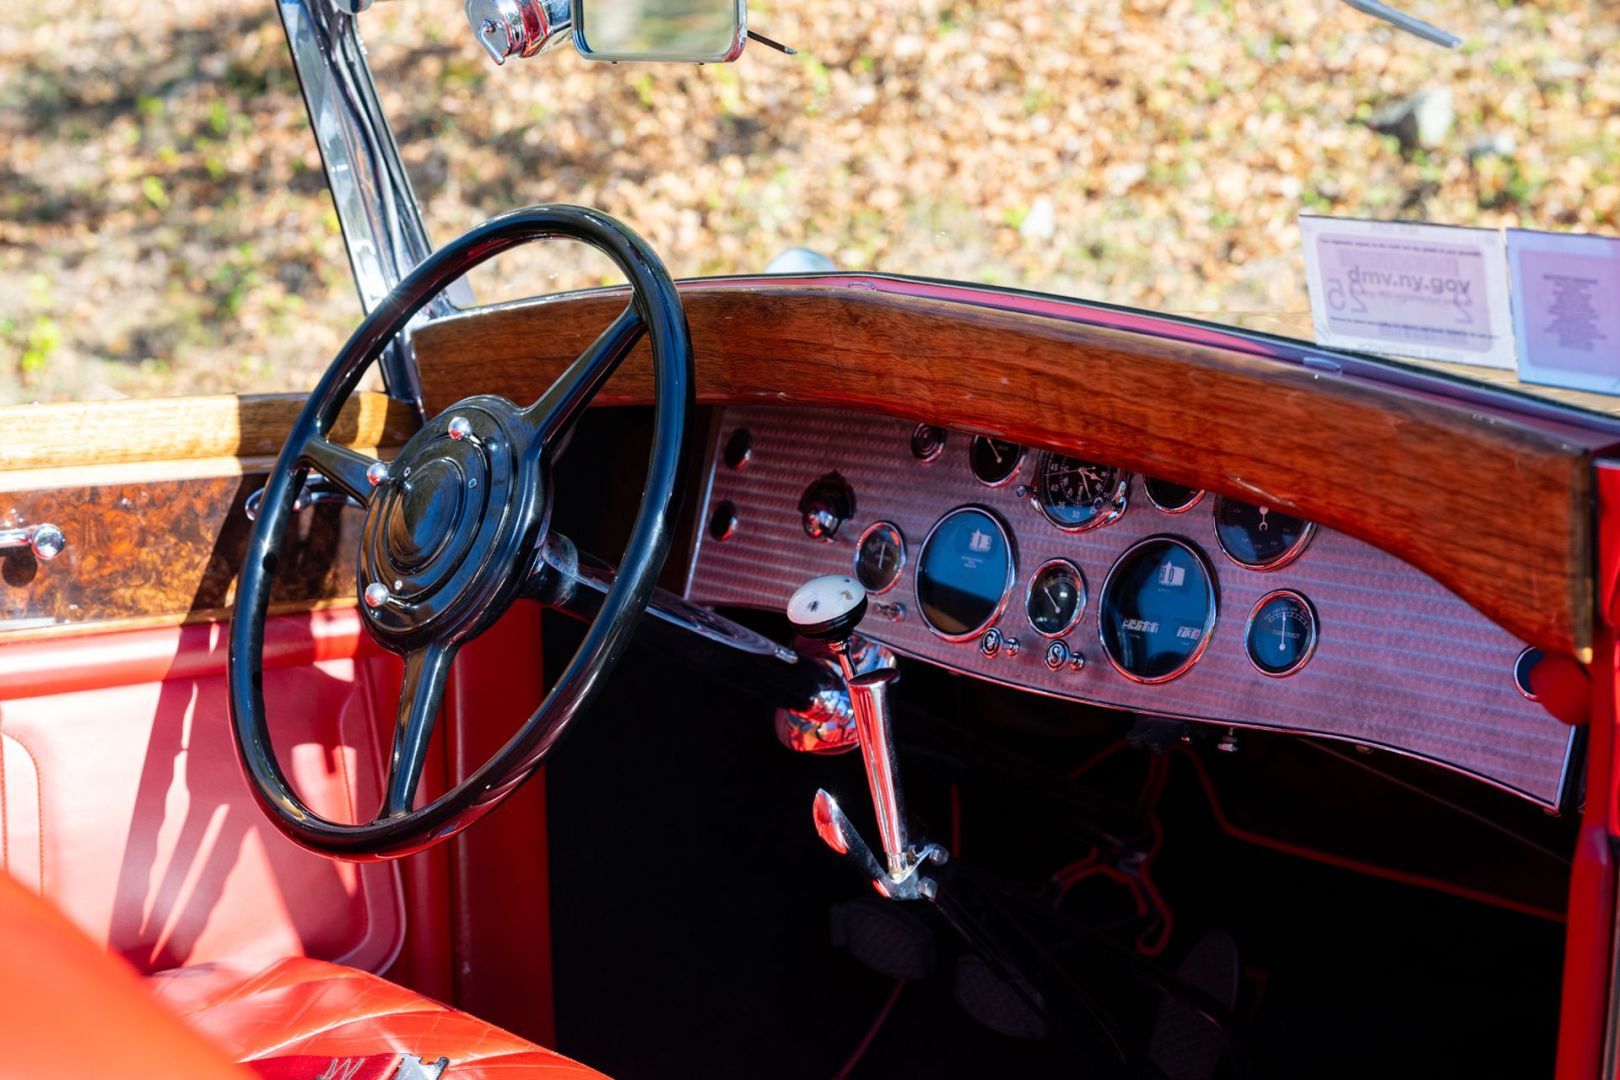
(1158, 609)
(1076, 495)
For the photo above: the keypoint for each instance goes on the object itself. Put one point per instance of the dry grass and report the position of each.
(163, 225)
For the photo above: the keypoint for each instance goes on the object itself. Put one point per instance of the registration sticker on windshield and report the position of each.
(1566, 308)
(1434, 292)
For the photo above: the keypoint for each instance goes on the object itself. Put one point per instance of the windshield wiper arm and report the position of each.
(1401, 20)
(1408, 23)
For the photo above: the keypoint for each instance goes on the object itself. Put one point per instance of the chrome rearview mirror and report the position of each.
(684, 31)
(690, 31)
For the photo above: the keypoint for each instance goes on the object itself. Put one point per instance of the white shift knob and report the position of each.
(827, 607)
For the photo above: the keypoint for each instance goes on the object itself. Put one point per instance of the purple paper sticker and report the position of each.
(1566, 308)
(1405, 289)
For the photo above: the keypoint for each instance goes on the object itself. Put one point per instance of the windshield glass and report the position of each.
(1155, 154)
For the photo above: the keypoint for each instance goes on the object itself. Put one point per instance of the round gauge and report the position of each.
(927, 442)
(879, 556)
(1522, 667)
(1281, 634)
(1158, 609)
(1078, 495)
(1259, 537)
(1056, 598)
(964, 573)
(994, 461)
(1169, 497)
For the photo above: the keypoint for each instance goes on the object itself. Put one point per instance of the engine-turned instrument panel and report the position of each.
(1077, 579)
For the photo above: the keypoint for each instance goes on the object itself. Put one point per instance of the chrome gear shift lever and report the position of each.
(828, 609)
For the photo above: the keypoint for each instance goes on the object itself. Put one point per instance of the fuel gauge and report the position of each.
(1281, 635)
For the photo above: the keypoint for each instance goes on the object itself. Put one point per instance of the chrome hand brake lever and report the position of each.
(828, 609)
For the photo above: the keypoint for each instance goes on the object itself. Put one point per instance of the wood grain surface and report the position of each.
(1493, 503)
(163, 551)
(149, 494)
(181, 428)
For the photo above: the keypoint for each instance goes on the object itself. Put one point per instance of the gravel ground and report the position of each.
(164, 226)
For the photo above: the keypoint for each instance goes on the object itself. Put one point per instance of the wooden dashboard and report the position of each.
(1487, 492)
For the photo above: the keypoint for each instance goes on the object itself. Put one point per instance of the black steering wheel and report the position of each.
(453, 526)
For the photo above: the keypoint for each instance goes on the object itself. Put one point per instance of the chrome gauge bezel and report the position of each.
(1310, 642)
(1119, 499)
(939, 448)
(1080, 608)
(1147, 493)
(899, 568)
(1292, 553)
(1209, 620)
(1519, 683)
(1007, 586)
(1012, 474)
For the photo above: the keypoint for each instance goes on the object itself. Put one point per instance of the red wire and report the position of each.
(1355, 865)
(871, 1032)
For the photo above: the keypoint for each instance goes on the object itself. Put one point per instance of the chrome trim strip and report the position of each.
(1006, 589)
(1209, 620)
(377, 209)
(1310, 642)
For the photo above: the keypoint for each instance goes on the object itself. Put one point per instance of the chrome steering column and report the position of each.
(828, 609)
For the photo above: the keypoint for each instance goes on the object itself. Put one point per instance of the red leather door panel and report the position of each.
(121, 800)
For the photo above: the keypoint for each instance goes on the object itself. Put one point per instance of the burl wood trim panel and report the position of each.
(163, 551)
(182, 428)
(1493, 505)
(149, 495)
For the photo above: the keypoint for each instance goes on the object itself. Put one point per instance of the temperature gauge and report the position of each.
(1281, 634)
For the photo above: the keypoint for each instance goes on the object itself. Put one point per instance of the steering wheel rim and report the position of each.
(470, 573)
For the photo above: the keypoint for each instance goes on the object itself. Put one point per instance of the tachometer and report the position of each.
(1281, 635)
(964, 573)
(1056, 598)
(1076, 495)
(1259, 537)
(1158, 609)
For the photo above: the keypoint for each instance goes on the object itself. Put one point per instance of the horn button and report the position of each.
(445, 526)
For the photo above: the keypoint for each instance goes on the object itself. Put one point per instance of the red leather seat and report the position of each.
(310, 1008)
(70, 1010)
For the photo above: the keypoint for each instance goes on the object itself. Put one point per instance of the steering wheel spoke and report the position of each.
(349, 469)
(555, 413)
(426, 671)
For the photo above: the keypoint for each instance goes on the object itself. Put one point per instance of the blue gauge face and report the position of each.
(1281, 634)
(1158, 609)
(1259, 537)
(964, 572)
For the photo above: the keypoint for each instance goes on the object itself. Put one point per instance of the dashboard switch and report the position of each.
(1057, 656)
(825, 506)
(990, 643)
